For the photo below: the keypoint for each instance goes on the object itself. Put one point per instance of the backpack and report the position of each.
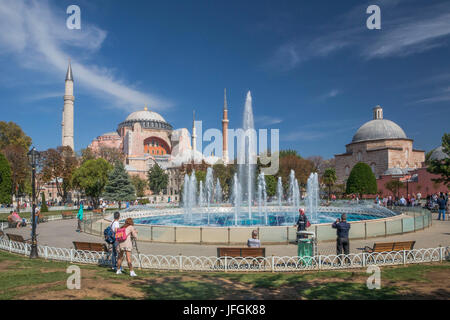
(110, 237)
(121, 234)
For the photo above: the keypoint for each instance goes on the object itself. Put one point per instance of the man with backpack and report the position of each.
(110, 237)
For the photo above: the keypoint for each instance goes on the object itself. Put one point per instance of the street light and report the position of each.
(33, 159)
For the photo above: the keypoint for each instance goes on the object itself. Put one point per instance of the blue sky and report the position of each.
(314, 69)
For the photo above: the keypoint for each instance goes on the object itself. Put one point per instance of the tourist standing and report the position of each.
(126, 246)
(442, 203)
(80, 217)
(115, 245)
(302, 223)
(254, 242)
(342, 241)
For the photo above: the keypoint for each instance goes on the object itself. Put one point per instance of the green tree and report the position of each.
(394, 186)
(20, 169)
(329, 178)
(289, 152)
(271, 185)
(12, 134)
(442, 167)
(44, 207)
(5, 181)
(200, 175)
(361, 180)
(58, 166)
(92, 177)
(140, 185)
(157, 179)
(119, 187)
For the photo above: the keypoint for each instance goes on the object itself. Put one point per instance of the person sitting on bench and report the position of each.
(254, 242)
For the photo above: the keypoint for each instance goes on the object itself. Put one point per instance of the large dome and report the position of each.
(379, 129)
(145, 115)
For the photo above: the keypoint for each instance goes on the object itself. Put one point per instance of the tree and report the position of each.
(329, 178)
(361, 180)
(44, 207)
(140, 185)
(20, 170)
(317, 161)
(5, 181)
(119, 187)
(157, 179)
(301, 167)
(200, 175)
(112, 155)
(92, 177)
(87, 154)
(58, 166)
(12, 134)
(394, 186)
(442, 167)
(288, 152)
(271, 185)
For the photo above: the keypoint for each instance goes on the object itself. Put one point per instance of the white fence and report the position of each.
(227, 264)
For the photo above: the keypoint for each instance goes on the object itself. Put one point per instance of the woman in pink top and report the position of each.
(126, 246)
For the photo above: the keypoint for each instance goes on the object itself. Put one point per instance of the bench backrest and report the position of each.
(89, 246)
(97, 211)
(67, 213)
(404, 245)
(383, 246)
(15, 237)
(241, 252)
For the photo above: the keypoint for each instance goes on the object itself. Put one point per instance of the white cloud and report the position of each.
(36, 37)
(267, 121)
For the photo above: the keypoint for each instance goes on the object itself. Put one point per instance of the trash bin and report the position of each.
(306, 246)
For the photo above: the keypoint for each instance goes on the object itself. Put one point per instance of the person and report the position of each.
(126, 246)
(80, 217)
(254, 242)
(302, 223)
(442, 203)
(18, 220)
(342, 241)
(114, 227)
(104, 207)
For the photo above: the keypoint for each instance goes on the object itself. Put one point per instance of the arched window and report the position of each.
(347, 170)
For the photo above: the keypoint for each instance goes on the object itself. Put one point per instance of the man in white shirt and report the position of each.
(254, 242)
(114, 226)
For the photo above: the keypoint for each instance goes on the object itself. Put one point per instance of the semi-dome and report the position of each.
(379, 128)
(393, 172)
(438, 154)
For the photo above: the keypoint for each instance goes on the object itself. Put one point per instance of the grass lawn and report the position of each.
(22, 278)
(26, 215)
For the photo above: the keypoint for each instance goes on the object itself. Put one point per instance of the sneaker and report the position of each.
(119, 271)
(132, 274)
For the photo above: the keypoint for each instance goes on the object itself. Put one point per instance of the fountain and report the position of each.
(247, 155)
(312, 197)
(279, 191)
(201, 196)
(218, 192)
(237, 194)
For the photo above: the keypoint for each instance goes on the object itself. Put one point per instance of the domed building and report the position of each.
(383, 145)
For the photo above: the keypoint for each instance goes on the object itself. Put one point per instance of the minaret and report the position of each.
(194, 135)
(225, 129)
(67, 123)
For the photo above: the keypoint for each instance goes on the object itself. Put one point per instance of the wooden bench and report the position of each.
(67, 214)
(100, 211)
(241, 252)
(17, 238)
(90, 246)
(390, 246)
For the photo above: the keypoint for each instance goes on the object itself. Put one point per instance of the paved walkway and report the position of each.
(62, 233)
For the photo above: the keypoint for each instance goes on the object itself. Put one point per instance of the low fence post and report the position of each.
(71, 255)
(226, 264)
(272, 264)
(10, 246)
(363, 259)
(404, 256)
(46, 252)
(320, 262)
(441, 258)
(180, 262)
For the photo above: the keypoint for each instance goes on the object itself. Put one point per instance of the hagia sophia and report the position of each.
(146, 138)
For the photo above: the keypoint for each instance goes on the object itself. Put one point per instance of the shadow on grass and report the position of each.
(348, 291)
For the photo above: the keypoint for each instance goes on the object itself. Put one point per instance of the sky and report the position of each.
(314, 69)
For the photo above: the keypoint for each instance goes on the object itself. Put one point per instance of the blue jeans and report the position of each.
(114, 254)
(443, 214)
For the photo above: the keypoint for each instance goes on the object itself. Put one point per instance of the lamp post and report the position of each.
(33, 159)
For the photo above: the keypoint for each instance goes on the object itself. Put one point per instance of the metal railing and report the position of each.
(229, 264)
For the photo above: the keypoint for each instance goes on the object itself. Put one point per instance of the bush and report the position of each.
(144, 201)
(361, 180)
(44, 207)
